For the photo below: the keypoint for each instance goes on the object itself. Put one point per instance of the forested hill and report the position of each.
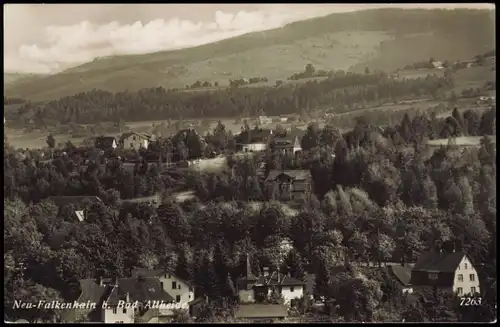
(381, 39)
(340, 93)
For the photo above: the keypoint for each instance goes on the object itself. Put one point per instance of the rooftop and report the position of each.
(261, 311)
(294, 174)
(439, 261)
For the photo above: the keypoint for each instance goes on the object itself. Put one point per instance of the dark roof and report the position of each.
(77, 201)
(253, 136)
(136, 272)
(402, 274)
(261, 311)
(287, 141)
(141, 135)
(271, 280)
(104, 142)
(294, 174)
(93, 292)
(439, 261)
(140, 289)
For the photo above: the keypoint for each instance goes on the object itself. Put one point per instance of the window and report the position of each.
(177, 298)
(465, 266)
(133, 138)
(114, 311)
(472, 277)
(125, 310)
(179, 286)
(473, 290)
(460, 291)
(291, 289)
(161, 283)
(460, 278)
(174, 285)
(433, 276)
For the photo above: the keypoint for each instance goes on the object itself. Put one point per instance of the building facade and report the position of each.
(447, 271)
(288, 185)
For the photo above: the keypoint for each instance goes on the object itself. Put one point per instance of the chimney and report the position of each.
(127, 297)
(266, 271)
(100, 281)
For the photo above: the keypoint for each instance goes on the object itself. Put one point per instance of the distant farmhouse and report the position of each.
(253, 140)
(135, 140)
(106, 142)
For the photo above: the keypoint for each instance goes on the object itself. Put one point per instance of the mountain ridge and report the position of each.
(378, 38)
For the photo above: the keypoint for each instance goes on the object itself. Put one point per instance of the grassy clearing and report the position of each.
(419, 73)
(460, 141)
(274, 60)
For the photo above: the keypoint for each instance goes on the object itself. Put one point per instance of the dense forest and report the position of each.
(385, 196)
(339, 93)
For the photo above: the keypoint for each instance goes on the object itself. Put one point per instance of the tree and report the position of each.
(51, 142)
(309, 71)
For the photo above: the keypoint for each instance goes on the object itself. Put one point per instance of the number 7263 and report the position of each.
(469, 301)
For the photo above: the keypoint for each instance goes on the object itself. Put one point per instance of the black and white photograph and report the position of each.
(250, 163)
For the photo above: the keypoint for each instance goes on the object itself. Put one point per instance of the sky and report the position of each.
(48, 38)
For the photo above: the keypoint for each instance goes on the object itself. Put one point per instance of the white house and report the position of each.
(253, 289)
(446, 270)
(135, 140)
(264, 120)
(180, 290)
(122, 300)
(254, 147)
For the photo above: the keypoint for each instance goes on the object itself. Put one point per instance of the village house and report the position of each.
(264, 120)
(135, 141)
(289, 184)
(447, 270)
(180, 290)
(287, 145)
(253, 140)
(105, 143)
(129, 290)
(253, 289)
(261, 313)
(77, 204)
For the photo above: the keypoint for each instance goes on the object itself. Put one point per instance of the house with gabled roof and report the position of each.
(105, 143)
(181, 290)
(253, 140)
(287, 144)
(261, 313)
(402, 274)
(122, 300)
(289, 184)
(447, 270)
(255, 289)
(135, 141)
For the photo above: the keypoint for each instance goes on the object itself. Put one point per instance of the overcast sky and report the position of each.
(46, 38)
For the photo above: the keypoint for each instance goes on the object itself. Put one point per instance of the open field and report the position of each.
(473, 77)
(36, 140)
(460, 141)
(419, 73)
